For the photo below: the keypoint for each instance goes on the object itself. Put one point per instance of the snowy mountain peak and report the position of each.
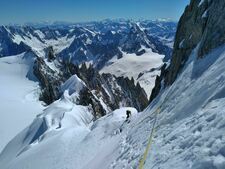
(72, 85)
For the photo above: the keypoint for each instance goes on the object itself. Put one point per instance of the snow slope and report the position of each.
(73, 85)
(63, 136)
(19, 96)
(131, 65)
(189, 129)
(192, 120)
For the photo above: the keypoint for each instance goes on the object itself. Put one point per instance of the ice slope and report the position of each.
(131, 65)
(192, 121)
(189, 130)
(19, 95)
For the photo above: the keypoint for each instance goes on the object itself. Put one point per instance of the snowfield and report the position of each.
(189, 131)
(19, 95)
(131, 65)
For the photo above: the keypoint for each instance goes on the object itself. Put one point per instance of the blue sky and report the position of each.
(22, 11)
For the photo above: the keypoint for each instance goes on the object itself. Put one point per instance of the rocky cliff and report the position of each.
(113, 91)
(201, 25)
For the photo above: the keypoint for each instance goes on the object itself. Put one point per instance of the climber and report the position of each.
(128, 114)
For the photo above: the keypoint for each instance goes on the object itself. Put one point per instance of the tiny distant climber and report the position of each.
(128, 114)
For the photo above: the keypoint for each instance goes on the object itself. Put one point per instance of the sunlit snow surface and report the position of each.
(19, 96)
(189, 130)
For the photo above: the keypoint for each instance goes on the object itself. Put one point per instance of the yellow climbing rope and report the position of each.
(144, 157)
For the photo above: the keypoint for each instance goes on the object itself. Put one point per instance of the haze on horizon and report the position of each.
(23, 11)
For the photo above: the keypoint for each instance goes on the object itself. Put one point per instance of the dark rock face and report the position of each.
(202, 25)
(87, 98)
(114, 91)
(50, 53)
(134, 94)
(214, 33)
(49, 79)
(158, 86)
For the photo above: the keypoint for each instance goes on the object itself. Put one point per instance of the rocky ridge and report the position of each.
(103, 92)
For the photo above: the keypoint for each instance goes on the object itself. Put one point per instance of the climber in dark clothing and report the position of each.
(128, 114)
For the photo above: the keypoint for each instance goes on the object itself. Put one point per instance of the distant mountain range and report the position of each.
(97, 43)
(122, 34)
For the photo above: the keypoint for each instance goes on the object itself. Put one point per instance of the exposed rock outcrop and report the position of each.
(103, 92)
(113, 91)
(135, 94)
(158, 83)
(202, 25)
(50, 80)
(50, 53)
